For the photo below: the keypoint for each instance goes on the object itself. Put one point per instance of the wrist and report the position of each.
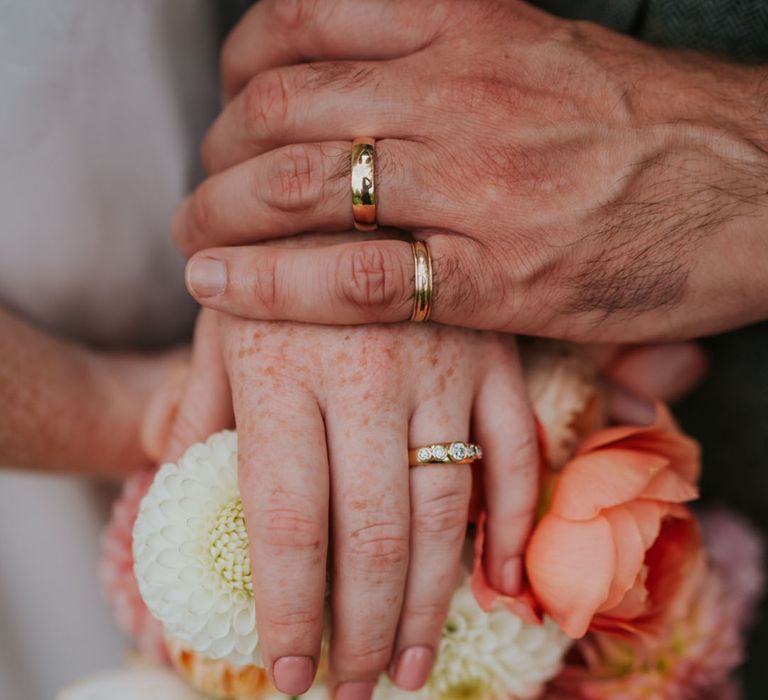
(707, 119)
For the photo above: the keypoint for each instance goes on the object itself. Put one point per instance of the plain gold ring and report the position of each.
(422, 271)
(364, 183)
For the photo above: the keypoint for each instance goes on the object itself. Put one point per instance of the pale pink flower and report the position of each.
(116, 570)
(737, 549)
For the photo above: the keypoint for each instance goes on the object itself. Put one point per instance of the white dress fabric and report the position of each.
(102, 106)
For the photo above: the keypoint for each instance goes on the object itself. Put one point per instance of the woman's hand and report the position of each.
(571, 182)
(325, 417)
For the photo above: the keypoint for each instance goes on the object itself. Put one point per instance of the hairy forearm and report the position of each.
(65, 408)
(682, 241)
(713, 117)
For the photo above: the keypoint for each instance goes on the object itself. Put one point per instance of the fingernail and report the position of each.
(356, 690)
(511, 573)
(206, 277)
(293, 675)
(413, 668)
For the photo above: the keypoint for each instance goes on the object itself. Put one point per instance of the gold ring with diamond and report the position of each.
(422, 271)
(444, 453)
(364, 183)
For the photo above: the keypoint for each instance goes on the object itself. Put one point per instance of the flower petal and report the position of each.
(630, 553)
(570, 565)
(648, 516)
(603, 479)
(663, 437)
(669, 486)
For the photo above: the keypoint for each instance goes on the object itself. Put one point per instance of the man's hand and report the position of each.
(571, 182)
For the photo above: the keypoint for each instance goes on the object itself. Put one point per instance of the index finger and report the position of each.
(283, 32)
(283, 476)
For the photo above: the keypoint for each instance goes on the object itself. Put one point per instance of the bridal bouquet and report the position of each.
(628, 595)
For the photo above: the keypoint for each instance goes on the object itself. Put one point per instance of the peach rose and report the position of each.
(613, 543)
(613, 547)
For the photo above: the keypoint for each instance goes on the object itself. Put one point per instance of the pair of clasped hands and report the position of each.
(507, 141)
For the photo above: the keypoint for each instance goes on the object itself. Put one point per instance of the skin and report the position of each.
(351, 392)
(325, 416)
(569, 231)
(580, 184)
(66, 408)
(389, 536)
(69, 409)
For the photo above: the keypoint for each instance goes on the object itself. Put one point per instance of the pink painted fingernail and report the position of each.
(206, 277)
(413, 667)
(293, 675)
(355, 690)
(511, 574)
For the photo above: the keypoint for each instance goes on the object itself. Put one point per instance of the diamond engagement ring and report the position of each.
(444, 453)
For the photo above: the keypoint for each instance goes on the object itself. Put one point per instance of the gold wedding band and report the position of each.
(444, 453)
(422, 268)
(364, 183)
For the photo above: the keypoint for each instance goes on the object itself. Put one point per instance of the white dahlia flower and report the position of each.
(191, 554)
(192, 565)
(485, 656)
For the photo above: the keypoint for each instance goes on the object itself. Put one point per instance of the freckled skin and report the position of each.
(364, 370)
(370, 387)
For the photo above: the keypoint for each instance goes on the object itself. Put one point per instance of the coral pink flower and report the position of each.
(702, 640)
(692, 658)
(614, 544)
(116, 570)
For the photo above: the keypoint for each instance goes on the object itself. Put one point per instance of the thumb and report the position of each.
(194, 401)
(161, 411)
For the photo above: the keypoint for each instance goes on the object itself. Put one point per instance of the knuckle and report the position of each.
(378, 548)
(267, 103)
(427, 615)
(264, 286)
(340, 75)
(475, 92)
(296, 181)
(289, 522)
(283, 618)
(371, 277)
(444, 514)
(293, 15)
